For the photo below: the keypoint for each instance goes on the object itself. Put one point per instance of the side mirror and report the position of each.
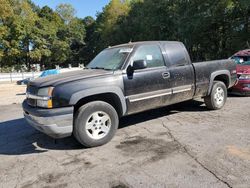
(139, 64)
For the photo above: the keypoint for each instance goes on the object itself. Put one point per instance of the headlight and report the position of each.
(44, 98)
(244, 77)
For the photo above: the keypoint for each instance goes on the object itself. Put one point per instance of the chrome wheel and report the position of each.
(219, 96)
(98, 125)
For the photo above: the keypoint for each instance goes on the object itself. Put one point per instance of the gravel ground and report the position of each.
(183, 145)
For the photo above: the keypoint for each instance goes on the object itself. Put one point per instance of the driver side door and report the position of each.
(147, 88)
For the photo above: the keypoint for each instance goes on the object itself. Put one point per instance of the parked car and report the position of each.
(24, 81)
(120, 81)
(242, 59)
(44, 74)
(49, 72)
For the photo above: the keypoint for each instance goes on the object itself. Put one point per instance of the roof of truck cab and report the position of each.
(142, 42)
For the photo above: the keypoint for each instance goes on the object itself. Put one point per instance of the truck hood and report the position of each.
(243, 69)
(66, 77)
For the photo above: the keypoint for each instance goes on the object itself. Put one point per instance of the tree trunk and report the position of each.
(27, 62)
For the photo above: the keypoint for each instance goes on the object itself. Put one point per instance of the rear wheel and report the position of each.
(95, 123)
(218, 96)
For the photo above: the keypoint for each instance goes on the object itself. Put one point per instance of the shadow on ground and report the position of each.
(18, 138)
(231, 95)
(18, 94)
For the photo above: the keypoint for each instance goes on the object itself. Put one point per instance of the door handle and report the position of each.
(166, 75)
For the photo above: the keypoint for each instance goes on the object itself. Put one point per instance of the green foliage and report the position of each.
(30, 34)
(107, 21)
(66, 11)
(209, 29)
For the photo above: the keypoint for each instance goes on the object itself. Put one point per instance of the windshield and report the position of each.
(244, 60)
(110, 59)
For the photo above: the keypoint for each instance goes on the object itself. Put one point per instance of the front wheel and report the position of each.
(218, 96)
(95, 123)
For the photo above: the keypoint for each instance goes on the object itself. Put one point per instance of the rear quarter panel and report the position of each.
(205, 73)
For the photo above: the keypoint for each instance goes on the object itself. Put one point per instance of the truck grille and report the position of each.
(32, 90)
(31, 102)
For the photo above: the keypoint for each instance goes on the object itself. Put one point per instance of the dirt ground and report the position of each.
(10, 93)
(183, 145)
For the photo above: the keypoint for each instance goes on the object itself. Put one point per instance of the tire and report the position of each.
(95, 123)
(218, 96)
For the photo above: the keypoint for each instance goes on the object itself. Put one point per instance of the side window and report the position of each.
(151, 54)
(176, 54)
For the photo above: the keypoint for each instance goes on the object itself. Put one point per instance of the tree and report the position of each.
(88, 21)
(77, 43)
(209, 29)
(6, 12)
(70, 37)
(20, 22)
(66, 11)
(89, 49)
(106, 22)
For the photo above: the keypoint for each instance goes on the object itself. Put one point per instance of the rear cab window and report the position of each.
(176, 54)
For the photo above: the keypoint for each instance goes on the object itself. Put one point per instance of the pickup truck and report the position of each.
(119, 81)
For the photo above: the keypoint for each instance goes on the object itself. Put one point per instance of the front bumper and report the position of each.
(241, 88)
(57, 123)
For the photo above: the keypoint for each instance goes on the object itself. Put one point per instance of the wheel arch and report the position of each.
(223, 76)
(113, 96)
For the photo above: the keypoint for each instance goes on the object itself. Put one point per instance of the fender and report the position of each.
(99, 90)
(217, 73)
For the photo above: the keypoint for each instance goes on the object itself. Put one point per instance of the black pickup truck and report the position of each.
(120, 81)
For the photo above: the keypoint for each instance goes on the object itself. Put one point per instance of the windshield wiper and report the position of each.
(99, 68)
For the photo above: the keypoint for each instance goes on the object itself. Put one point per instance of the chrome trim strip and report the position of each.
(159, 93)
(182, 89)
(149, 95)
(30, 96)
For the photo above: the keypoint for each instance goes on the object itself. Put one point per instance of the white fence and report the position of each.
(13, 77)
